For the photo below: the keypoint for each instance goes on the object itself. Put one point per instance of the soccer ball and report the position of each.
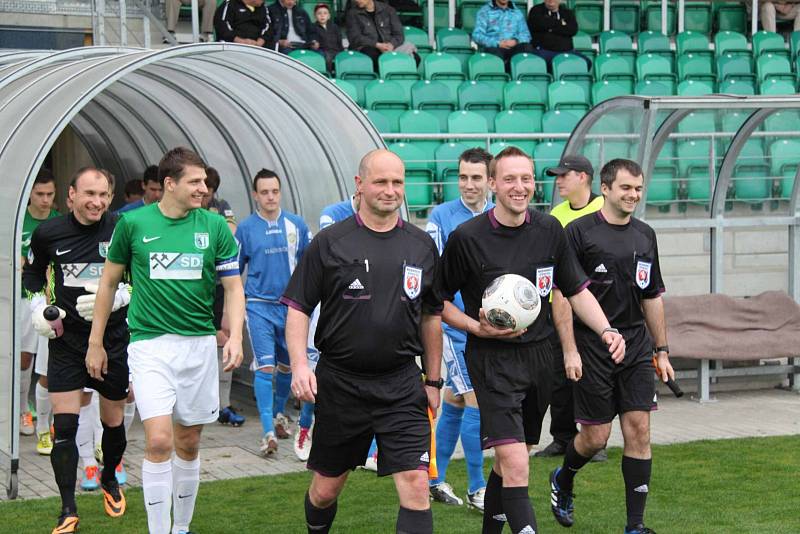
(511, 301)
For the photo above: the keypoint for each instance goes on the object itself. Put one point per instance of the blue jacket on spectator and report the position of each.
(494, 24)
(300, 19)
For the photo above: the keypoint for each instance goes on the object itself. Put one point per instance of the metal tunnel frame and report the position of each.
(242, 108)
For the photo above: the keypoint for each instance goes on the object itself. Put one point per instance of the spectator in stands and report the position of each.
(152, 190)
(500, 29)
(374, 28)
(207, 8)
(770, 12)
(244, 22)
(552, 28)
(328, 33)
(292, 27)
(133, 191)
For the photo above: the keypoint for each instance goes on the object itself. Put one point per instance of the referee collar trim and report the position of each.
(361, 222)
(496, 224)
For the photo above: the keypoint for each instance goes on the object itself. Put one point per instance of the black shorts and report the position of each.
(512, 385)
(350, 410)
(66, 365)
(607, 389)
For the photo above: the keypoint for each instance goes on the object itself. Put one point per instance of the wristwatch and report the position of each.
(438, 384)
(609, 329)
(663, 348)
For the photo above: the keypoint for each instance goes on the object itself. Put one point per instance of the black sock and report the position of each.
(113, 444)
(636, 474)
(572, 463)
(493, 518)
(319, 520)
(64, 458)
(414, 521)
(519, 509)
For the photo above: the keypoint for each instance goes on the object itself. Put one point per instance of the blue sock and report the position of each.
(373, 447)
(262, 384)
(307, 415)
(283, 383)
(446, 438)
(471, 441)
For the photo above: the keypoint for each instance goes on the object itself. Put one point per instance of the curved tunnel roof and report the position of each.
(240, 107)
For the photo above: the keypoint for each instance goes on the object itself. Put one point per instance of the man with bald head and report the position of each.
(373, 275)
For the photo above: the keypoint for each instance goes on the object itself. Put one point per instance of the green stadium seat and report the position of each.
(785, 120)
(546, 156)
(481, 98)
(614, 41)
(387, 97)
(379, 120)
(655, 68)
(419, 175)
(515, 122)
(435, 98)
(737, 87)
(650, 42)
(447, 168)
(730, 16)
(693, 88)
(734, 67)
(751, 174)
(582, 42)
(693, 66)
(776, 87)
(531, 68)
(468, 13)
(524, 97)
(794, 44)
(625, 16)
(498, 146)
(311, 59)
(441, 18)
(697, 122)
(732, 120)
(445, 68)
(697, 16)
(654, 88)
(556, 121)
(418, 38)
(770, 66)
(356, 68)
(607, 89)
(421, 122)
(572, 68)
(652, 15)
(463, 121)
(693, 166)
(399, 68)
(456, 42)
(589, 15)
(348, 88)
(784, 155)
(663, 186)
(488, 68)
(614, 67)
(769, 43)
(730, 42)
(567, 95)
(691, 41)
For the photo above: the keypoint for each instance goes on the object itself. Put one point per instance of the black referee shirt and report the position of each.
(622, 263)
(481, 249)
(374, 288)
(78, 253)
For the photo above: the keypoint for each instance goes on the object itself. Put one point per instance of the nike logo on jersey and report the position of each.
(214, 411)
(146, 239)
(62, 252)
(56, 442)
(600, 269)
(356, 284)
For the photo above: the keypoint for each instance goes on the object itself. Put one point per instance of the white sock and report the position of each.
(157, 489)
(42, 409)
(84, 437)
(24, 389)
(186, 482)
(97, 430)
(130, 411)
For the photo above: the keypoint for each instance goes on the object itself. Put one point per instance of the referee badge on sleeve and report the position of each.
(412, 281)
(544, 280)
(643, 273)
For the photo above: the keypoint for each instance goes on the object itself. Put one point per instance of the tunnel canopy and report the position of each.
(240, 107)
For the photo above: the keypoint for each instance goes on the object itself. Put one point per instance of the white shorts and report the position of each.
(42, 354)
(29, 339)
(176, 375)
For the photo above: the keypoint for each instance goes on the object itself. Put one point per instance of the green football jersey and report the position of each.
(29, 225)
(174, 264)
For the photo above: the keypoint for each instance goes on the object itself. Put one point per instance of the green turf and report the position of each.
(729, 486)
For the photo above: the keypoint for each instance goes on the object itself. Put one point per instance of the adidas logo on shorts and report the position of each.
(356, 284)
(601, 269)
(425, 457)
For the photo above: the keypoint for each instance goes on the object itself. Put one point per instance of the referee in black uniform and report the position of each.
(511, 372)
(76, 244)
(622, 255)
(374, 275)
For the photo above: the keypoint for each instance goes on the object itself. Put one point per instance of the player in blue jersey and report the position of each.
(460, 415)
(271, 243)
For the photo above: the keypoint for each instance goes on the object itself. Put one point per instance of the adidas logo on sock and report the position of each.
(425, 457)
(527, 530)
(641, 489)
(356, 284)
(600, 269)
(500, 517)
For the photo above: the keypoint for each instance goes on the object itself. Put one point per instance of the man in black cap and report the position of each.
(574, 182)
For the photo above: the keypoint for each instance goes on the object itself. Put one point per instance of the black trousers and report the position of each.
(562, 413)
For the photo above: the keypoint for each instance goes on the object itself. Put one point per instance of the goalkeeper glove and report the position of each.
(85, 303)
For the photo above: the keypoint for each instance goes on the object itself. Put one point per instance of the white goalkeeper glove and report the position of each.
(85, 303)
(40, 324)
